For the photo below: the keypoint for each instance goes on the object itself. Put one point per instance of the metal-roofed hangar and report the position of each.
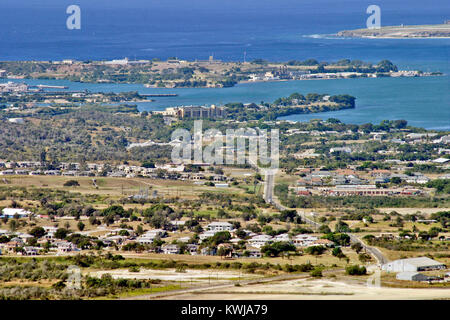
(413, 265)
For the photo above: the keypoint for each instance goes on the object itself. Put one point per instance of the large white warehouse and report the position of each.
(413, 265)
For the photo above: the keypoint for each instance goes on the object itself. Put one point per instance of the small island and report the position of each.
(402, 31)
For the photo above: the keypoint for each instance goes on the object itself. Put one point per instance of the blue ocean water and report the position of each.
(278, 30)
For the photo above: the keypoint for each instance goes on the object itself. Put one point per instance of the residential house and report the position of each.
(170, 249)
(207, 234)
(65, 246)
(219, 226)
(192, 249)
(15, 212)
(253, 252)
(12, 245)
(208, 251)
(30, 251)
(323, 242)
(303, 240)
(260, 240)
(284, 237)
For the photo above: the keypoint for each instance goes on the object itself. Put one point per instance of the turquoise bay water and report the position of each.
(276, 30)
(424, 102)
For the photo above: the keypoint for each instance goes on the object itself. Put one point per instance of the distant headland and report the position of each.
(402, 31)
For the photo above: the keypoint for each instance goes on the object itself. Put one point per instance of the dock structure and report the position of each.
(44, 86)
(152, 95)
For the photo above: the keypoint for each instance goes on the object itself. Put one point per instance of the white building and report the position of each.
(145, 239)
(170, 249)
(219, 226)
(178, 223)
(260, 240)
(151, 235)
(122, 62)
(441, 160)
(444, 139)
(31, 251)
(50, 228)
(343, 149)
(207, 234)
(303, 240)
(15, 212)
(16, 120)
(65, 246)
(412, 265)
(284, 237)
(157, 233)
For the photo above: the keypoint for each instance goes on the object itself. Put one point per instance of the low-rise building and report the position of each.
(284, 237)
(303, 240)
(207, 234)
(65, 246)
(15, 212)
(220, 226)
(170, 249)
(260, 240)
(413, 265)
(192, 248)
(411, 276)
(195, 112)
(342, 149)
(30, 251)
(253, 253)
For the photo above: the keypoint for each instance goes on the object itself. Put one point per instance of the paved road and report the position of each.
(372, 250)
(270, 198)
(268, 188)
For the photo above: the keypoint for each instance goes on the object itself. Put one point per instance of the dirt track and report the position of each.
(304, 289)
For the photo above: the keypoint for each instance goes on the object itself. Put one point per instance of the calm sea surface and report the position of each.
(275, 30)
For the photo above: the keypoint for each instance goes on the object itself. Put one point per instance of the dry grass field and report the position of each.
(117, 187)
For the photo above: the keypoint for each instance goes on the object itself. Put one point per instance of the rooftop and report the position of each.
(421, 262)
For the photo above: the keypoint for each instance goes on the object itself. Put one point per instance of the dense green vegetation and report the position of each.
(294, 104)
(350, 66)
(356, 270)
(84, 134)
(55, 270)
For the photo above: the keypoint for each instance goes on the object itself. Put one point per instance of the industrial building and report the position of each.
(413, 265)
(411, 276)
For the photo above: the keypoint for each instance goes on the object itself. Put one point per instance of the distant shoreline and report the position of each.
(438, 31)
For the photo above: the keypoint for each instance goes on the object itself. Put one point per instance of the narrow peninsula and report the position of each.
(401, 31)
